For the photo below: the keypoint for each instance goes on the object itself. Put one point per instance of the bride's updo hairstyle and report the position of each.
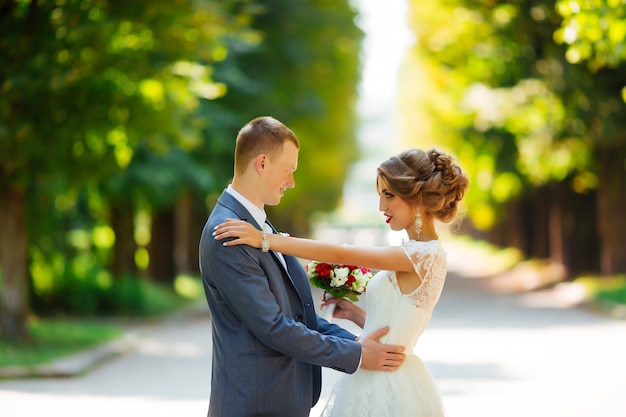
(430, 179)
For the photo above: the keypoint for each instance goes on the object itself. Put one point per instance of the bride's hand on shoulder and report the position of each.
(243, 232)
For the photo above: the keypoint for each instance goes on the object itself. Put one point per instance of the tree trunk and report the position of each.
(14, 305)
(581, 236)
(161, 248)
(555, 224)
(611, 207)
(123, 262)
(516, 236)
(199, 218)
(538, 228)
(190, 219)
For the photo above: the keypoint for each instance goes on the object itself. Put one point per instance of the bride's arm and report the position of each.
(387, 258)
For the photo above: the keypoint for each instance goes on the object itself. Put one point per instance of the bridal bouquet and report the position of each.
(340, 281)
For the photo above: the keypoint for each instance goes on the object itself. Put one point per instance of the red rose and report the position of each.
(351, 280)
(323, 270)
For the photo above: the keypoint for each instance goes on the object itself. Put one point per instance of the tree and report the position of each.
(304, 73)
(82, 84)
(502, 94)
(594, 33)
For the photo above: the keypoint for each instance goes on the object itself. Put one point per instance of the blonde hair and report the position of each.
(430, 179)
(261, 135)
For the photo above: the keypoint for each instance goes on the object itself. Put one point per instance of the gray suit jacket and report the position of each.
(268, 342)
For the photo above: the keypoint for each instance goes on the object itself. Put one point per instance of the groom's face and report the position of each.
(278, 173)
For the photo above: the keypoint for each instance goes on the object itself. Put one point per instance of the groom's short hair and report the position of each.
(262, 135)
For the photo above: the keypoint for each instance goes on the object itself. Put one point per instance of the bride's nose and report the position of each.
(381, 204)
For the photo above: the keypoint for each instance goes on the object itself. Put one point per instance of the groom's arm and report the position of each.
(332, 329)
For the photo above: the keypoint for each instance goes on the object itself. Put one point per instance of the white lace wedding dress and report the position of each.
(410, 390)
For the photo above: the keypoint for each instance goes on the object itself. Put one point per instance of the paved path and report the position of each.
(167, 374)
(492, 355)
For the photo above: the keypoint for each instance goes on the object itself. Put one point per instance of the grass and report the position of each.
(605, 289)
(54, 339)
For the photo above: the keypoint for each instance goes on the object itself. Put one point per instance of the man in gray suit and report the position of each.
(268, 342)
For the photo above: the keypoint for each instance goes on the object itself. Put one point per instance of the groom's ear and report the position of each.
(260, 162)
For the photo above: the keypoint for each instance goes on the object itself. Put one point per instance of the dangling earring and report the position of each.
(418, 223)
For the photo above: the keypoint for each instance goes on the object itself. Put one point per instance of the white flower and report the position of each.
(339, 276)
(361, 280)
(358, 274)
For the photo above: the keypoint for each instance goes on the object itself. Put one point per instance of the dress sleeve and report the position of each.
(429, 262)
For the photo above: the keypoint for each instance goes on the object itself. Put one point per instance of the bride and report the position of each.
(415, 188)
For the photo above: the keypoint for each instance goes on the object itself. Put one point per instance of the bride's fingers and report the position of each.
(241, 232)
(224, 232)
(222, 226)
(228, 223)
(236, 239)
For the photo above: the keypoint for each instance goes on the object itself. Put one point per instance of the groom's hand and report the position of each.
(377, 356)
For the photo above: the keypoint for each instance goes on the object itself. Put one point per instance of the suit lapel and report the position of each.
(299, 281)
(295, 274)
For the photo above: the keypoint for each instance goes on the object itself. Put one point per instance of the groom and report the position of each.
(268, 342)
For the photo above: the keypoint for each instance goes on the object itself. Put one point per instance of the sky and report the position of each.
(387, 39)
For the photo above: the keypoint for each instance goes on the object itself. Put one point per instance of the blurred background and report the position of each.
(118, 122)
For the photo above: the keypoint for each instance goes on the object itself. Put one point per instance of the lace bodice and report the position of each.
(407, 314)
(429, 262)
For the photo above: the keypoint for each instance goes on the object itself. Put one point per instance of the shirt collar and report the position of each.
(258, 214)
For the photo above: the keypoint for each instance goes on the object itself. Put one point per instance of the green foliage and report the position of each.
(617, 295)
(52, 339)
(600, 289)
(320, 282)
(137, 297)
(94, 80)
(69, 256)
(594, 31)
(112, 107)
(304, 73)
(68, 265)
(128, 296)
(189, 287)
(497, 92)
(86, 86)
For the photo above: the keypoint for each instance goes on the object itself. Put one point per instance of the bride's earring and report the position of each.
(418, 223)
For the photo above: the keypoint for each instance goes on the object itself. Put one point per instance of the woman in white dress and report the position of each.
(415, 188)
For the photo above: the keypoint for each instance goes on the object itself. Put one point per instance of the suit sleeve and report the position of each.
(332, 329)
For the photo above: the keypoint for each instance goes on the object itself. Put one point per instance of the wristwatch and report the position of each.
(265, 244)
